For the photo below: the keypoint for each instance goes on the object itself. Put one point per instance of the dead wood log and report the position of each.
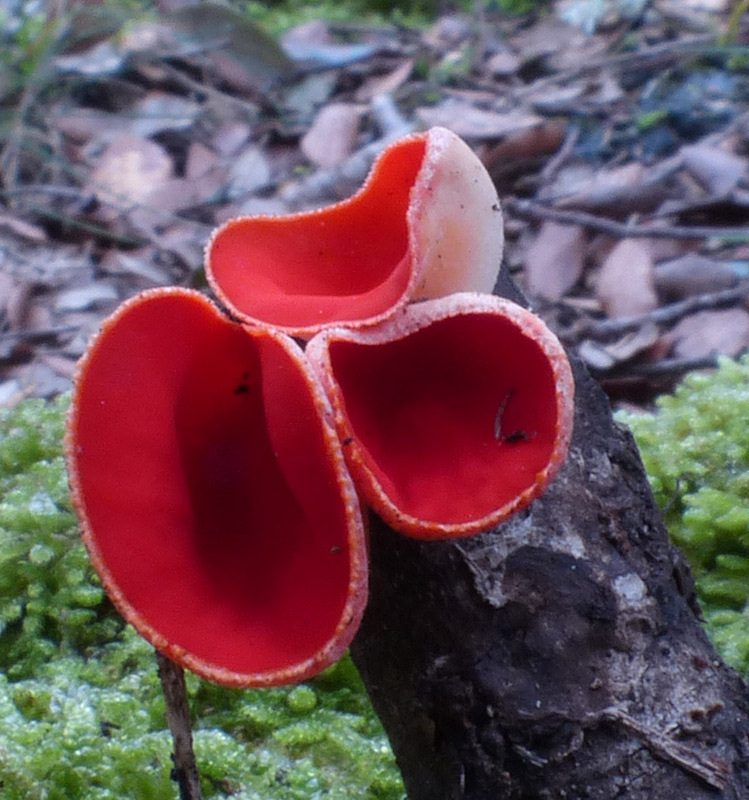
(559, 655)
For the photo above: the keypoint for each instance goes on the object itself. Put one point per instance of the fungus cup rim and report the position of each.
(356, 592)
(411, 320)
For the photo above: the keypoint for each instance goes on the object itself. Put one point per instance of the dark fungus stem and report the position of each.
(185, 771)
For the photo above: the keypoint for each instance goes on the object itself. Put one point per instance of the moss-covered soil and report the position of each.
(81, 709)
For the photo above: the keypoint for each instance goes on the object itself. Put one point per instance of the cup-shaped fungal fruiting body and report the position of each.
(426, 223)
(453, 415)
(213, 494)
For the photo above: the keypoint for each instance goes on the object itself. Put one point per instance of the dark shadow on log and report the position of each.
(559, 655)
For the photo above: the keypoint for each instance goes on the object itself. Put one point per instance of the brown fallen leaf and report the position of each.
(625, 284)
(158, 112)
(550, 36)
(554, 261)
(503, 64)
(476, 123)
(15, 305)
(618, 192)
(540, 140)
(230, 137)
(129, 170)
(140, 264)
(246, 57)
(82, 298)
(715, 6)
(692, 274)
(249, 171)
(385, 84)
(22, 228)
(708, 333)
(605, 356)
(717, 170)
(332, 136)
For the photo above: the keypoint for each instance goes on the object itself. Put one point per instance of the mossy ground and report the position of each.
(81, 710)
(695, 448)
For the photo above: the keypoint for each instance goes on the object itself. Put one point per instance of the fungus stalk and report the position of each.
(185, 771)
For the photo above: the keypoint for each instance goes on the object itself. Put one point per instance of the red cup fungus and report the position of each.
(454, 415)
(213, 494)
(425, 224)
(216, 468)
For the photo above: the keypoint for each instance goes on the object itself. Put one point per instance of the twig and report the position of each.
(712, 771)
(185, 771)
(671, 366)
(47, 333)
(527, 209)
(660, 52)
(599, 329)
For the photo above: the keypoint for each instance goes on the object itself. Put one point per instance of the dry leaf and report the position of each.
(140, 263)
(476, 123)
(619, 192)
(312, 44)
(22, 228)
(717, 170)
(244, 55)
(503, 64)
(709, 332)
(385, 84)
(531, 143)
(11, 393)
(332, 137)
(625, 283)
(692, 274)
(715, 6)
(158, 112)
(130, 170)
(548, 37)
(554, 262)
(602, 356)
(230, 137)
(249, 172)
(85, 297)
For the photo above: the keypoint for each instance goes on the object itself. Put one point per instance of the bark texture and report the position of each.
(559, 655)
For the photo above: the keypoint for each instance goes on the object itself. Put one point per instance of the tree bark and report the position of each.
(559, 655)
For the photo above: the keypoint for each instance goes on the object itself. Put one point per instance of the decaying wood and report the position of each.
(559, 655)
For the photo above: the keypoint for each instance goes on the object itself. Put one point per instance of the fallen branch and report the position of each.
(527, 209)
(600, 329)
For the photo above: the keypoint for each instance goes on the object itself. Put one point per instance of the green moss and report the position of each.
(695, 448)
(81, 708)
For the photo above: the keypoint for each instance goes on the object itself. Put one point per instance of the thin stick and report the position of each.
(529, 210)
(672, 312)
(46, 333)
(666, 51)
(185, 771)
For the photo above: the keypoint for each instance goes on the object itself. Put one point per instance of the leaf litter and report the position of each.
(620, 147)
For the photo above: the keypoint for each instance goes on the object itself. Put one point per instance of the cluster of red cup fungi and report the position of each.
(219, 469)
